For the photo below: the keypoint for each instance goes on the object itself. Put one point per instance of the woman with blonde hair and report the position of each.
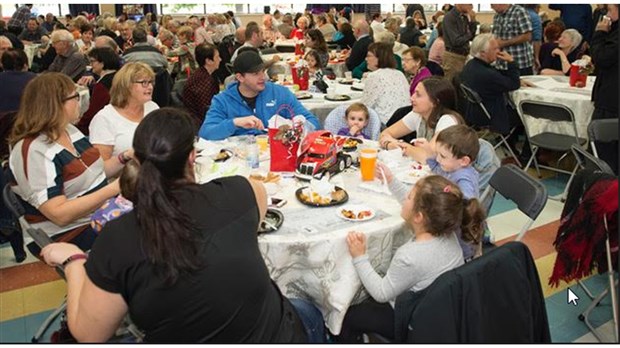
(59, 175)
(556, 59)
(112, 128)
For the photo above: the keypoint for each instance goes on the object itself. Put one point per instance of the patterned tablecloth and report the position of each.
(556, 89)
(308, 256)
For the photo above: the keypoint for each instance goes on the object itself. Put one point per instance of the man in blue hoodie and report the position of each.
(246, 106)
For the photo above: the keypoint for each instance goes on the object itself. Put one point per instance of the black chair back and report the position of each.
(513, 183)
(547, 111)
(588, 161)
(397, 116)
(604, 130)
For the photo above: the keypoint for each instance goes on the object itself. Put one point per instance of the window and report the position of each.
(37, 9)
(182, 8)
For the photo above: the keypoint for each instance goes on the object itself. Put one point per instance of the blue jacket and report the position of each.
(227, 105)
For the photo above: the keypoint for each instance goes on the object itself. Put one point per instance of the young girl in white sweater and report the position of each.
(435, 208)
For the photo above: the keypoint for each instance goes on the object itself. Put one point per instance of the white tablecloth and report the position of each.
(308, 256)
(321, 107)
(31, 52)
(556, 89)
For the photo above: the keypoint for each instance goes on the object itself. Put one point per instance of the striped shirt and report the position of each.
(43, 170)
(508, 25)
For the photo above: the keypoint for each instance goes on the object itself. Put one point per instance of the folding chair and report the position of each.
(474, 98)
(586, 160)
(514, 184)
(42, 239)
(605, 131)
(549, 139)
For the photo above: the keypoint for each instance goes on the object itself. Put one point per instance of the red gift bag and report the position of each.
(300, 77)
(577, 79)
(284, 143)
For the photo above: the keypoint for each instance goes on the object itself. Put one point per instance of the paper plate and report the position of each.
(356, 213)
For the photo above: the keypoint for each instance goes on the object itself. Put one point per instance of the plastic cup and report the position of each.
(368, 161)
(263, 142)
(348, 75)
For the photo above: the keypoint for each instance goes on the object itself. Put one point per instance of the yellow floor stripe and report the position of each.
(545, 268)
(33, 299)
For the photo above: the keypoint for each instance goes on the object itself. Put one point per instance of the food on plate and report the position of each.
(361, 215)
(338, 195)
(222, 155)
(316, 198)
(270, 177)
(351, 142)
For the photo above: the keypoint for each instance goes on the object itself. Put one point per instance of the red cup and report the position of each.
(577, 79)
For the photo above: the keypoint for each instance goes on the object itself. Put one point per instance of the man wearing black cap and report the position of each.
(246, 105)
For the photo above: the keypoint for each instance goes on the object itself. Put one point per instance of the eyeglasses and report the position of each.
(145, 83)
(75, 96)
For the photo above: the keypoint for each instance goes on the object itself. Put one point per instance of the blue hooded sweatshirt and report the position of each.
(229, 104)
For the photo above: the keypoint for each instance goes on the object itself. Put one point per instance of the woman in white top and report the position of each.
(85, 43)
(435, 208)
(433, 101)
(112, 128)
(386, 89)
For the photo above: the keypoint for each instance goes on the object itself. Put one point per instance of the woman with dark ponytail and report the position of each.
(185, 262)
(435, 209)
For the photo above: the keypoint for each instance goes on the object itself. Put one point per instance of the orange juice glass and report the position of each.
(368, 160)
(263, 142)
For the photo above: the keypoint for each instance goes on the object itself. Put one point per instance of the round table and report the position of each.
(308, 256)
(338, 66)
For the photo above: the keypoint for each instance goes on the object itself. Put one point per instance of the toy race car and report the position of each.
(322, 153)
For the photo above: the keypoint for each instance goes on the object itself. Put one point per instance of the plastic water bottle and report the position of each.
(252, 153)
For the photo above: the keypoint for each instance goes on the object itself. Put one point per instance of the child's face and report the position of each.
(448, 162)
(311, 61)
(357, 118)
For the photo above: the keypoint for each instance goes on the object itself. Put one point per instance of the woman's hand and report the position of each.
(357, 244)
(425, 145)
(558, 52)
(386, 141)
(382, 170)
(603, 25)
(56, 253)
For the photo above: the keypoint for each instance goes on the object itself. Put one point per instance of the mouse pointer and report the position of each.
(572, 297)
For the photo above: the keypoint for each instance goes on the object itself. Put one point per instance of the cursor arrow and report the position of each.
(572, 297)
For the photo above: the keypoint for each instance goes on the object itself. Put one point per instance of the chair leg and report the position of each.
(529, 161)
(612, 283)
(562, 197)
(46, 324)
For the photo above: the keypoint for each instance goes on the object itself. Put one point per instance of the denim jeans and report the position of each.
(312, 319)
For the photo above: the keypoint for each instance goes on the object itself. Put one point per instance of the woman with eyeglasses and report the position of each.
(58, 174)
(112, 128)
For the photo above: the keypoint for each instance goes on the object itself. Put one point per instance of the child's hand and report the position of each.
(424, 145)
(354, 130)
(357, 244)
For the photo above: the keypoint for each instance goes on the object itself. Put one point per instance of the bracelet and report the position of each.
(122, 159)
(385, 145)
(74, 257)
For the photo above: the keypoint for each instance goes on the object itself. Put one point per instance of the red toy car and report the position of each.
(322, 153)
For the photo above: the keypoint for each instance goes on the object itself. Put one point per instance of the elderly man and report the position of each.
(459, 28)
(69, 60)
(513, 28)
(286, 27)
(49, 23)
(125, 40)
(360, 48)
(493, 86)
(254, 38)
(5, 44)
(246, 105)
(143, 52)
(33, 32)
(166, 39)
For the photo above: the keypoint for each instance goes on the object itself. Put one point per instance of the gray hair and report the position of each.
(575, 37)
(480, 44)
(386, 37)
(62, 35)
(6, 40)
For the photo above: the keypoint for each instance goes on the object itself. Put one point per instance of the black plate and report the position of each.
(359, 141)
(332, 203)
(274, 217)
(339, 97)
(353, 88)
(304, 95)
(345, 82)
(227, 154)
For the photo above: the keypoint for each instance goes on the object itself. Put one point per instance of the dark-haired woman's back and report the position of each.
(230, 298)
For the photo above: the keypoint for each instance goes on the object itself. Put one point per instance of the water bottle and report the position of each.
(252, 153)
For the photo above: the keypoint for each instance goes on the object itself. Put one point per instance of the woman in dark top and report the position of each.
(185, 262)
(13, 79)
(556, 59)
(346, 38)
(105, 62)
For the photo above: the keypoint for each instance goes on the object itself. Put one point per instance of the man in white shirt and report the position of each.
(377, 25)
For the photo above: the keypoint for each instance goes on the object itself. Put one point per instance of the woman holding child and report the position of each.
(185, 262)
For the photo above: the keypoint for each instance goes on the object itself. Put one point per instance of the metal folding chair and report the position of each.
(549, 139)
(586, 161)
(605, 131)
(514, 184)
(474, 98)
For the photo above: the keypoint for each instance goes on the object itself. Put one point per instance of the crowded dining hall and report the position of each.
(309, 173)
